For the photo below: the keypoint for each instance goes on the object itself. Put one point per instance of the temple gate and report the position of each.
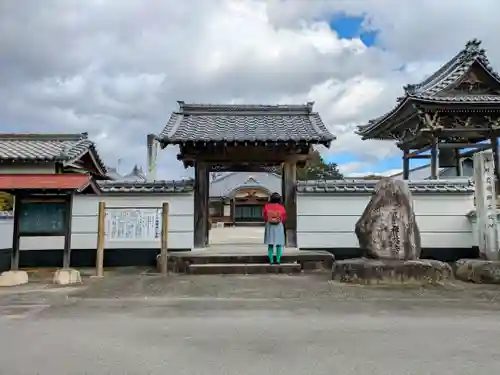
(244, 138)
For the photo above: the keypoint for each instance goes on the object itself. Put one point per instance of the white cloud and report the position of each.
(429, 30)
(350, 168)
(360, 169)
(117, 68)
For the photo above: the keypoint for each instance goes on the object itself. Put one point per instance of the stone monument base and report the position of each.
(13, 278)
(478, 271)
(67, 276)
(378, 271)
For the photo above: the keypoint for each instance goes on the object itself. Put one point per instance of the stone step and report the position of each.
(243, 268)
(307, 261)
(253, 258)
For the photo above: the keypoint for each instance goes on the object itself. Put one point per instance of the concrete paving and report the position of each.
(132, 324)
(253, 235)
(236, 240)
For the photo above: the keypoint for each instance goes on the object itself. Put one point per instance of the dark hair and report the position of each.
(275, 198)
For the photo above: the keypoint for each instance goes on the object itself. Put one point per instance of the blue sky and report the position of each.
(349, 27)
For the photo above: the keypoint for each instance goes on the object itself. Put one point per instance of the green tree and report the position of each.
(316, 169)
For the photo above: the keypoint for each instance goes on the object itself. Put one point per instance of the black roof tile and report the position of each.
(368, 186)
(158, 187)
(39, 147)
(432, 89)
(245, 123)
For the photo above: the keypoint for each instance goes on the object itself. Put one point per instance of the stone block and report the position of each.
(387, 229)
(313, 266)
(478, 271)
(13, 278)
(375, 271)
(243, 269)
(67, 276)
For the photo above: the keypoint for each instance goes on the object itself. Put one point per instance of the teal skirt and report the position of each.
(274, 234)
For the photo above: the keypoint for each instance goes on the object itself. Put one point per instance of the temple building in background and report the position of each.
(423, 172)
(136, 174)
(238, 198)
(453, 111)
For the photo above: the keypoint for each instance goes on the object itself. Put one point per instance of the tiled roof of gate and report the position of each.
(245, 123)
(165, 187)
(46, 147)
(368, 186)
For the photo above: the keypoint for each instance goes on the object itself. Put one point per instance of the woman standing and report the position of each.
(274, 236)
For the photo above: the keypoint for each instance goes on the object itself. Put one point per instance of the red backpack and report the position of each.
(273, 216)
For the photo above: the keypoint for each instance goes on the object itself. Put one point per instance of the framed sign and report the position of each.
(126, 224)
(42, 218)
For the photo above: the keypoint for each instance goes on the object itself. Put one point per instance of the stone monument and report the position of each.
(487, 268)
(389, 239)
(486, 206)
(387, 228)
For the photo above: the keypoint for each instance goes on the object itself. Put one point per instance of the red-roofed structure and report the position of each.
(74, 181)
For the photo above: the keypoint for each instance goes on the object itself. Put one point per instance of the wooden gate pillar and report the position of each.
(289, 195)
(15, 255)
(201, 212)
(67, 232)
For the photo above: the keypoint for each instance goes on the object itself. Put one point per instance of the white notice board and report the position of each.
(133, 224)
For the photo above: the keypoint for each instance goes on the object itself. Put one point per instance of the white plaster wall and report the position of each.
(328, 221)
(84, 223)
